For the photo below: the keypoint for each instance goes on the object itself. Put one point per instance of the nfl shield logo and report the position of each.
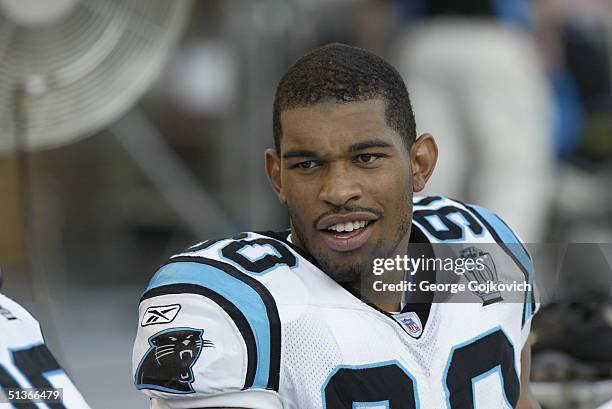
(411, 323)
(412, 326)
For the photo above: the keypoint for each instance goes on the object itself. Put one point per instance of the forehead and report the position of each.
(333, 125)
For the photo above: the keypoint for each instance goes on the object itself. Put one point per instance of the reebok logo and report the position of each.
(161, 314)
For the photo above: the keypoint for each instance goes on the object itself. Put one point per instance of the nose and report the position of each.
(340, 186)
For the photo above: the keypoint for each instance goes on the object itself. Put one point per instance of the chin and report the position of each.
(343, 276)
(343, 271)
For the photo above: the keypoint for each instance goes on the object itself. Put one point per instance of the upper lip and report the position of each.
(328, 221)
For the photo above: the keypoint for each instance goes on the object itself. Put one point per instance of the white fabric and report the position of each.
(221, 367)
(251, 399)
(20, 331)
(607, 405)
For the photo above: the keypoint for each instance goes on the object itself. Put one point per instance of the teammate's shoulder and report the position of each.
(12, 312)
(25, 358)
(10, 309)
(17, 326)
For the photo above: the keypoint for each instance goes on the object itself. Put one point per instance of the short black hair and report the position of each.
(342, 73)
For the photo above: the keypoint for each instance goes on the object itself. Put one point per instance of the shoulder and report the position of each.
(462, 227)
(445, 220)
(18, 322)
(23, 353)
(221, 297)
(247, 268)
(448, 220)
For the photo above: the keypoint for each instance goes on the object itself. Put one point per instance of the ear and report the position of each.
(273, 171)
(423, 158)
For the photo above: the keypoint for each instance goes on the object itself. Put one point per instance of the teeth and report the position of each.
(348, 226)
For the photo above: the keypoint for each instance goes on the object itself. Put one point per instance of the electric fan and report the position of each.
(71, 67)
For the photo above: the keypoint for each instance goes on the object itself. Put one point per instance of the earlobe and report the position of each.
(273, 171)
(423, 157)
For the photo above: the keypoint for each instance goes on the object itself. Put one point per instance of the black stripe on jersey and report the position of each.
(427, 200)
(519, 242)
(421, 305)
(202, 246)
(236, 315)
(501, 243)
(271, 309)
(209, 243)
(282, 236)
(532, 299)
(7, 382)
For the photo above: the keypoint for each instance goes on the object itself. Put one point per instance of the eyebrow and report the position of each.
(299, 154)
(372, 143)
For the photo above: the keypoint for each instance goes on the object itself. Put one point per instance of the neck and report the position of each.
(385, 290)
(378, 290)
(367, 286)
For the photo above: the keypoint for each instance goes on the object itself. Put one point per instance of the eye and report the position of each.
(307, 164)
(366, 158)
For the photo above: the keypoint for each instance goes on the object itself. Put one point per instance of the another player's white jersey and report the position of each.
(252, 322)
(25, 361)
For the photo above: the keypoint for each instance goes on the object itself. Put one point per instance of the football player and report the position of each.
(268, 320)
(25, 362)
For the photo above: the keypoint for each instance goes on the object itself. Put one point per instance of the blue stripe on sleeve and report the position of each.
(514, 245)
(242, 295)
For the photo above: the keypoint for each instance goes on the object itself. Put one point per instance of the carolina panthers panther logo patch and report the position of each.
(167, 365)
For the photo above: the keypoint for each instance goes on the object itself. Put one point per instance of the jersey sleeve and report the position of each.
(512, 244)
(200, 335)
(456, 227)
(25, 360)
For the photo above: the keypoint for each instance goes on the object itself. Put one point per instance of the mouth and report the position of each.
(347, 232)
(185, 352)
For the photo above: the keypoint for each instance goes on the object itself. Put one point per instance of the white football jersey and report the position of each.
(251, 321)
(25, 361)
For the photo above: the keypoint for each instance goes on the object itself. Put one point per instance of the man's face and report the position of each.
(345, 177)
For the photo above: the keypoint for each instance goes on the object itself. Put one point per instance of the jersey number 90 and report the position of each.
(388, 385)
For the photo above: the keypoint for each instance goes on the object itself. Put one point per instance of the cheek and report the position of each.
(295, 194)
(300, 200)
(391, 188)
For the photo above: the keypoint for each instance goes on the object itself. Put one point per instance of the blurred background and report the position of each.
(130, 129)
